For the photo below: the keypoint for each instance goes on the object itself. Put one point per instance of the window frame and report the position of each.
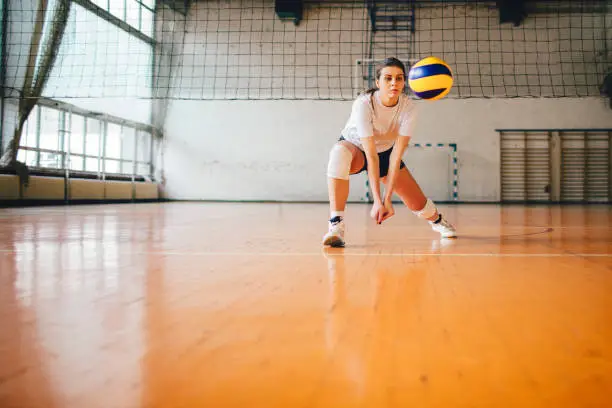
(65, 115)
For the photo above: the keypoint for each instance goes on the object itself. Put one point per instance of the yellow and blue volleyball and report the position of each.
(430, 78)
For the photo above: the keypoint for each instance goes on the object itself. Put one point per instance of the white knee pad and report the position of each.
(339, 165)
(428, 211)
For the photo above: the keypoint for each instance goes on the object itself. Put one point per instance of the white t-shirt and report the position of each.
(369, 117)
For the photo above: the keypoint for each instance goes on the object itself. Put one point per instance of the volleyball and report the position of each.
(430, 78)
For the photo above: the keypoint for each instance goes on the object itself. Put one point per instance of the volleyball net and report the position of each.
(320, 50)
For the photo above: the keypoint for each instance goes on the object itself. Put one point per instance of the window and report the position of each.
(49, 139)
(92, 145)
(113, 141)
(143, 153)
(103, 67)
(127, 153)
(76, 142)
(137, 13)
(56, 138)
(30, 133)
(101, 3)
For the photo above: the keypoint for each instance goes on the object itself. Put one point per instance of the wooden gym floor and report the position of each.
(237, 305)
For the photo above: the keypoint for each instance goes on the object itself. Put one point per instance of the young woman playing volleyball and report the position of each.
(374, 139)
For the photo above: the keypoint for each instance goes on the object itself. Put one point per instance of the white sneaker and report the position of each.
(335, 235)
(445, 229)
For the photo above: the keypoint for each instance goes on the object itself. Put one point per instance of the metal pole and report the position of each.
(134, 164)
(67, 158)
(610, 167)
(61, 144)
(525, 168)
(38, 122)
(555, 166)
(101, 143)
(585, 172)
(151, 135)
(3, 59)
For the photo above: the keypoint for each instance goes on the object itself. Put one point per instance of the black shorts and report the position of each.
(383, 161)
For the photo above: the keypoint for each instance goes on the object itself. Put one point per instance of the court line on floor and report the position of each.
(341, 253)
(384, 254)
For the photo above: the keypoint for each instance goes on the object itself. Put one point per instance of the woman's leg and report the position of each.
(338, 171)
(411, 194)
(344, 159)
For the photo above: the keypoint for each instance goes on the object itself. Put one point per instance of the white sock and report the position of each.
(337, 214)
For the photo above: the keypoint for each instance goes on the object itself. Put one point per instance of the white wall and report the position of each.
(266, 149)
(277, 150)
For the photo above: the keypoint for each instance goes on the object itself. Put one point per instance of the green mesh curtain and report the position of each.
(47, 19)
(169, 48)
(2, 75)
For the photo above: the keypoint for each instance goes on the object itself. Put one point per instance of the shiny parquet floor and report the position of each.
(237, 305)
